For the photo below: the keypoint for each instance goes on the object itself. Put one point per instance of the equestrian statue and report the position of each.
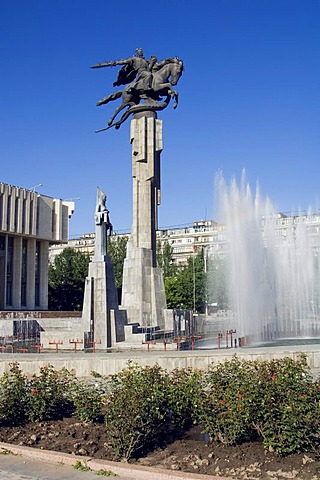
(146, 83)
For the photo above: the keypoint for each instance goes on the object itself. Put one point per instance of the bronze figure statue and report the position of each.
(101, 215)
(103, 225)
(145, 80)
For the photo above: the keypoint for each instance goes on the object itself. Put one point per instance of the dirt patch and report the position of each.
(190, 453)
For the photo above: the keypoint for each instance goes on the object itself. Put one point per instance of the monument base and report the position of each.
(102, 320)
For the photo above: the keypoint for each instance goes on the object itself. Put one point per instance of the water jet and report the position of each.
(273, 266)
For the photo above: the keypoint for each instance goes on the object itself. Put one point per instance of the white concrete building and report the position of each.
(29, 223)
(187, 240)
(184, 240)
(83, 244)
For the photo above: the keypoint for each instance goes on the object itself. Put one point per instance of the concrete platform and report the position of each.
(110, 363)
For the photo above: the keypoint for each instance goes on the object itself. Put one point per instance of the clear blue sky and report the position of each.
(249, 98)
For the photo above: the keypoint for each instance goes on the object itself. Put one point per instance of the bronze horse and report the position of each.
(162, 82)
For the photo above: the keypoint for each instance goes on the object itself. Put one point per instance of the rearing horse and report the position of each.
(163, 80)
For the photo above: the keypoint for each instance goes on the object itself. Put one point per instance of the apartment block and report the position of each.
(187, 240)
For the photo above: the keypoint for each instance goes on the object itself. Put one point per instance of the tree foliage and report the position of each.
(186, 289)
(202, 281)
(117, 249)
(66, 280)
(165, 259)
(217, 282)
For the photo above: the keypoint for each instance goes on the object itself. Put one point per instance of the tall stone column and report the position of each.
(143, 295)
(44, 267)
(3, 264)
(16, 283)
(31, 255)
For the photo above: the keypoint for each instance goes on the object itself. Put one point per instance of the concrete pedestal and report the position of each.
(143, 295)
(102, 319)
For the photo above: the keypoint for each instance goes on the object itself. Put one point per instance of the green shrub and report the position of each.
(233, 401)
(88, 400)
(288, 407)
(13, 396)
(224, 406)
(137, 412)
(49, 393)
(184, 391)
(276, 400)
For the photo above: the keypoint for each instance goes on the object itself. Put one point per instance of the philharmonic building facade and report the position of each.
(29, 224)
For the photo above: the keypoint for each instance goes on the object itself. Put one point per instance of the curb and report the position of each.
(126, 471)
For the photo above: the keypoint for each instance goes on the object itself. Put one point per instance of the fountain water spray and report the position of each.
(273, 265)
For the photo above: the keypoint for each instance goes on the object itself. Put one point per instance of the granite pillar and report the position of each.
(143, 295)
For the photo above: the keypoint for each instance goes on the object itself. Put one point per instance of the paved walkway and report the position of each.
(16, 467)
(27, 463)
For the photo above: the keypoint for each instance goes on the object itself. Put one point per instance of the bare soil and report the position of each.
(189, 453)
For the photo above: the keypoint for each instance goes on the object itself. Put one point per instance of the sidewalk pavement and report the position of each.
(125, 471)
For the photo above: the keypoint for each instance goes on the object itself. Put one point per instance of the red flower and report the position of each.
(240, 395)
(273, 377)
(34, 390)
(222, 402)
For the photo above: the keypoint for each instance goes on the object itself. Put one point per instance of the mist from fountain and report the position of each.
(273, 266)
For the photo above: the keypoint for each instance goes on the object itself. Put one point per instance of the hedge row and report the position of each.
(232, 402)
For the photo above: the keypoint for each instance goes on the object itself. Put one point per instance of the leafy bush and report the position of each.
(288, 407)
(48, 394)
(137, 411)
(184, 391)
(88, 400)
(223, 409)
(275, 399)
(233, 401)
(13, 396)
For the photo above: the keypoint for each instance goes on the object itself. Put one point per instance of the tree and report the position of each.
(217, 282)
(165, 259)
(66, 280)
(117, 249)
(186, 289)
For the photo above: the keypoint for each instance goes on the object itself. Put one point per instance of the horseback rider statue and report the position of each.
(145, 80)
